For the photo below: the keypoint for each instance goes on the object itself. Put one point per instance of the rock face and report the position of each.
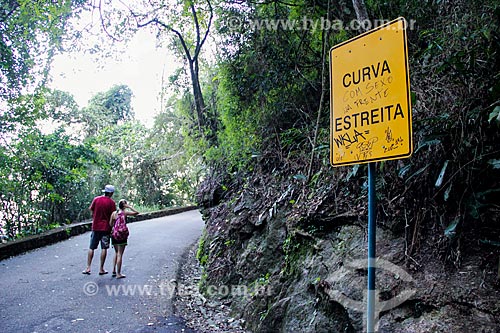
(303, 264)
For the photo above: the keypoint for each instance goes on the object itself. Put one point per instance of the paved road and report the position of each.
(45, 291)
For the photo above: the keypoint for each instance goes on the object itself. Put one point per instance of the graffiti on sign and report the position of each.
(370, 99)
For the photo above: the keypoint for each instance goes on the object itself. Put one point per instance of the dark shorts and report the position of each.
(115, 242)
(99, 236)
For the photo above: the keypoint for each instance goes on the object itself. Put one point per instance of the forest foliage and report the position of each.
(259, 105)
(55, 155)
(274, 118)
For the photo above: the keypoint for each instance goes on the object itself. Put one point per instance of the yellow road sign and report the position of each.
(370, 117)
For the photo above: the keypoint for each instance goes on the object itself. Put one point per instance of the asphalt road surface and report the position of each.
(45, 291)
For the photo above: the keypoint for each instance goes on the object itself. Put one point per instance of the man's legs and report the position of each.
(95, 237)
(90, 256)
(104, 252)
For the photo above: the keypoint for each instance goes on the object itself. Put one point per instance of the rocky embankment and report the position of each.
(202, 314)
(311, 263)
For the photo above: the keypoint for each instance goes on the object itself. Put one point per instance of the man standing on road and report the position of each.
(102, 207)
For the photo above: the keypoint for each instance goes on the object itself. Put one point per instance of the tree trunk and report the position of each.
(360, 9)
(324, 88)
(205, 122)
(199, 102)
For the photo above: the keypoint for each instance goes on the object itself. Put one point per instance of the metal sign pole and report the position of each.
(380, 132)
(372, 223)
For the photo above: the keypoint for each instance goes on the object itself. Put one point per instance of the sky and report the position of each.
(141, 67)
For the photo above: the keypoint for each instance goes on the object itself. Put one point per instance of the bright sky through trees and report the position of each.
(142, 67)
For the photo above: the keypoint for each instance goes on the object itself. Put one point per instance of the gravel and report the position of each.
(200, 313)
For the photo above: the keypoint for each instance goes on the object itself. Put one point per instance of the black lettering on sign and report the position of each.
(366, 118)
(364, 74)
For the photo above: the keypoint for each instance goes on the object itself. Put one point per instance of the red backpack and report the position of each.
(120, 229)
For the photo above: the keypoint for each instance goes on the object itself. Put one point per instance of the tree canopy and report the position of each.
(31, 31)
(259, 105)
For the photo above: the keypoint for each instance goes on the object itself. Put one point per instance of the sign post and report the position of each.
(371, 300)
(370, 117)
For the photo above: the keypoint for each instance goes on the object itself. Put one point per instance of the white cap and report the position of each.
(109, 189)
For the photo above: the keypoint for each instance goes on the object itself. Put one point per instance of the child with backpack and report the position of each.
(119, 234)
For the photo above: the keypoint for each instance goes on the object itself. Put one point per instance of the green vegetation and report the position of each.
(273, 121)
(55, 156)
(259, 108)
(31, 32)
(295, 249)
(246, 136)
(201, 253)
